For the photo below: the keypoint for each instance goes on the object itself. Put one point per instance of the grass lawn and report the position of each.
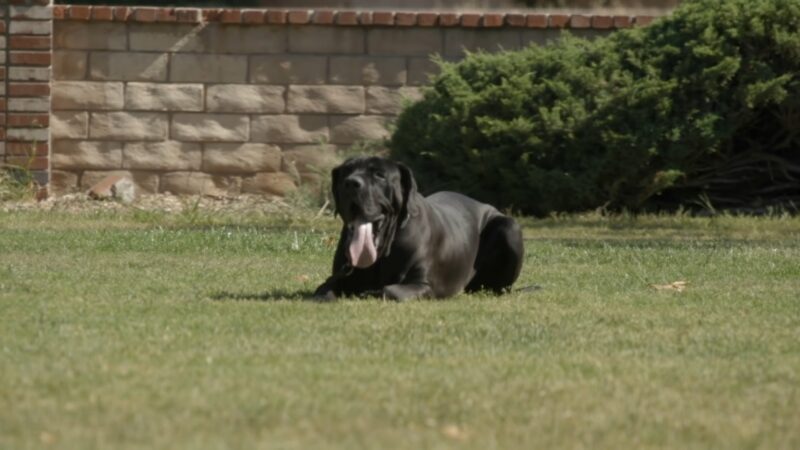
(150, 330)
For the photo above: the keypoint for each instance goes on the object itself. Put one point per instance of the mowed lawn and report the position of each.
(191, 331)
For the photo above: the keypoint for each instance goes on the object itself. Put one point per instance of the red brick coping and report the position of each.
(346, 18)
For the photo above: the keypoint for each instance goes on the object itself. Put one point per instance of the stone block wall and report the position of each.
(229, 101)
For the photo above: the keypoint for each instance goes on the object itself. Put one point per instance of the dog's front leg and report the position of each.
(327, 290)
(402, 292)
(332, 287)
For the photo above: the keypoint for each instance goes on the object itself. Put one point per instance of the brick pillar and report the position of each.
(3, 70)
(26, 29)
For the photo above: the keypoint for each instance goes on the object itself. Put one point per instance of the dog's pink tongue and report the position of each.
(362, 246)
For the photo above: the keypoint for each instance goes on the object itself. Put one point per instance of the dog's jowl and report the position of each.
(397, 244)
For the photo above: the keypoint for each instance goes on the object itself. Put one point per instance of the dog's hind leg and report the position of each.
(499, 258)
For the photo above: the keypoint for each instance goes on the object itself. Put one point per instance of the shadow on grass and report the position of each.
(269, 296)
(308, 296)
(255, 228)
(643, 243)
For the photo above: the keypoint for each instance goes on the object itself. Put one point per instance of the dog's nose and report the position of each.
(353, 183)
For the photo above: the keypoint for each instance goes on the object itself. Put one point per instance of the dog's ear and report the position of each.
(404, 192)
(408, 206)
(336, 173)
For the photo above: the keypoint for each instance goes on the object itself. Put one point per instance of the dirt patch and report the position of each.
(158, 202)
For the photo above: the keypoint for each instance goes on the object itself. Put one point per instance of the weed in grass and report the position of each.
(190, 213)
(16, 183)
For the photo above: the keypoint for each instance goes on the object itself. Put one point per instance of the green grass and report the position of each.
(148, 330)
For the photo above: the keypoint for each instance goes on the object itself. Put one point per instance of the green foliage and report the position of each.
(17, 182)
(704, 103)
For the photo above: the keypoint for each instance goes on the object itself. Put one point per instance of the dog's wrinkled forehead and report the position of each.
(368, 166)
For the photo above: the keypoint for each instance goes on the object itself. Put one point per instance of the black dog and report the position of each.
(400, 245)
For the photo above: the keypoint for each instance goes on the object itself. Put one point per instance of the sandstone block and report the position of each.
(289, 129)
(86, 95)
(197, 127)
(30, 12)
(89, 36)
(29, 73)
(317, 159)
(540, 36)
(164, 97)
(196, 183)
(420, 70)
(165, 38)
(288, 69)
(405, 42)
(262, 39)
(320, 39)
(128, 66)
(162, 156)
(383, 100)
(326, 99)
(28, 134)
(366, 70)
(36, 104)
(69, 65)
(277, 183)
(143, 181)
(86, 155)
(588, 33)
(241, 158)
(69, 124)
(62, 182)
(36, 27)
(128, 126)
(459, 40)
(315, 181)
(208, 68)
(245, 98)
(352, 129)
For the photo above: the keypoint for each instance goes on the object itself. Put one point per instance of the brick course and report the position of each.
(321, 17)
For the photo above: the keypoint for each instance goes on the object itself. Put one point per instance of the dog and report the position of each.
(399, 245)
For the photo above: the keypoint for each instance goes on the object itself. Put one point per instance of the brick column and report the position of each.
(26, 44)
(3, 70)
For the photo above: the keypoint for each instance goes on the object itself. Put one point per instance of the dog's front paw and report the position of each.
(324, 294)
(371, 293)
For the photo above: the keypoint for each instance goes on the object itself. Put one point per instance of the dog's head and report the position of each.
(374, 197)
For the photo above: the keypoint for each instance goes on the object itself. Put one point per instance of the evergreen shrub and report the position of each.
(702, 106)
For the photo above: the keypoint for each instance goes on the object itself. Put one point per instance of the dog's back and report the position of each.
(467, 208)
